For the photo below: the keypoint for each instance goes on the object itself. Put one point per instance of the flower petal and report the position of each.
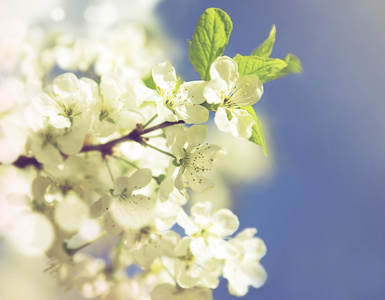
(164, 76)
(224, 68)
(139, 179)
(225, 223)
(214, 91)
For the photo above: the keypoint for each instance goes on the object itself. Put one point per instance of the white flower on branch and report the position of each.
(208, 230)
(243, 269)
(194, 157)
(174, 101)
(123, 209)
(231, 92)
(68, 102)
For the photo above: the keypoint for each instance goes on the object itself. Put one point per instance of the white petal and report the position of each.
(59, 121)
(164, 76)
(224, 68)
(187, 223)
(112, 88)
(194, 91)
(194, 113)
(179, 143)
(139, 179)
(165, 113)
(144, 93)
(121, 184)
(111, 225)
(196, 135)
(202, 210)
(179, 184)
(243, 122)
(258, 276)
(134, 212)
(48, 154)
(129, 119)
(197, 181)
(183, 246)
(187, 275)
(249, 90)
(43, 104)
(70, 214)
(144, 255)
(225, 223)
(246, 234)
(71, 143)
(65, 85)
(214, 91)
(100, 206)
(223, 122)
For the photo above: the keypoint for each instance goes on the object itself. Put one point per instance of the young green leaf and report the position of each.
(294, 65)
(266, 68)
(209, 40)
(258, 134)
(265, 49)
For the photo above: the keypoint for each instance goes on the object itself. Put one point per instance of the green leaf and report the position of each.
(258, 134)
(209, 40)
(149, 82)
(265, 49)
(266, 68)
(294, 65)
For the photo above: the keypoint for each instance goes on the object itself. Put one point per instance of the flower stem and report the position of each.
(127, 162)
(72, 251)
(109, 170)
(159, 150)
(149, 122)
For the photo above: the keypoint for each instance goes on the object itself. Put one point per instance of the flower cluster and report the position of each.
(79, 130)
(114, 152)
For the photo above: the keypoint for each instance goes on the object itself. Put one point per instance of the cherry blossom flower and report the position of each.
(243, 269)
(194, 157)
(175, 101)
(123, 209)
(230, 93)
(68, 103)
(115, 107)
(208, 229)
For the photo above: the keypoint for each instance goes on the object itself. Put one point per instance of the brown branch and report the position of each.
(106, 149)
(24, 161)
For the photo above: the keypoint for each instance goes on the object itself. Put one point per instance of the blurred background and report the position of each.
(318, 199)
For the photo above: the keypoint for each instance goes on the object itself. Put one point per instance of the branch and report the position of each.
(106, 149)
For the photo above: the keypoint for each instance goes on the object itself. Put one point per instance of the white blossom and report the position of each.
(175, 101)
(194, 157)
(191, 271)
(114, 108)
(68, 102)
(125, 210)
(208, 230)
(243, 268)
(230, 93)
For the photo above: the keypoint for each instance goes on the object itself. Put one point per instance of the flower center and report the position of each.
(68, 111)
(236, 93)
(196, 158)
